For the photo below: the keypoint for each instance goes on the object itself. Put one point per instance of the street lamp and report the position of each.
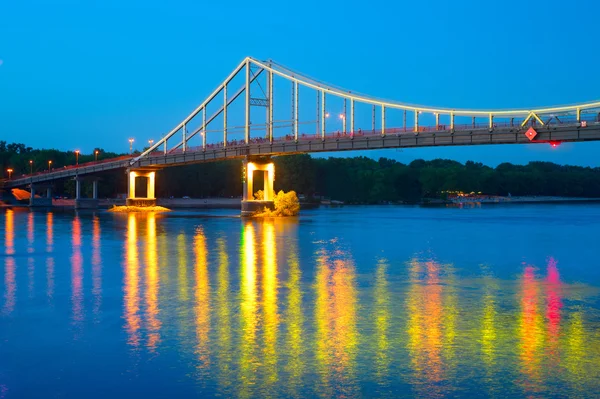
(49, 165)
(131, 146)
(9, 173)
(31, 166)
(343, 118)
(150, 142)
(96, 155)
(76, 157)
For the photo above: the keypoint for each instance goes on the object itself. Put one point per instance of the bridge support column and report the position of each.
(86, 203)
(40, 201)
(261, 164)
(77, 189)
(95, 189)
(150, 199)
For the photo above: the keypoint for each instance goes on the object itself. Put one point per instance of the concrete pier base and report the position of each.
(250, 207)
(40, 202)
(86, 203)
(140, 202)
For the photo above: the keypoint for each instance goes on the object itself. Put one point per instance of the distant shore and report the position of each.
(235, 203)
(521, 200)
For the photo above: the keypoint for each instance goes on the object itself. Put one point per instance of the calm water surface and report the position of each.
(351, 302)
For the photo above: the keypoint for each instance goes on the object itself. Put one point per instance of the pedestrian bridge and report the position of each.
(264, 109)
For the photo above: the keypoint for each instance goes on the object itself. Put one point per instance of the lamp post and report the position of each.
(31, 166)
(96, 155)
(343, 118)
(131, 146)
(76, 157)
(9, 173)
(49, 165)
(150, 142)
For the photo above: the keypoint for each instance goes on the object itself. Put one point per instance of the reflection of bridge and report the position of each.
(360, 123)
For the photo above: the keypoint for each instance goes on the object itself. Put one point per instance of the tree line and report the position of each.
(353, 180)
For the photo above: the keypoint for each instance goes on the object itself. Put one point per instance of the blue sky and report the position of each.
(78, 74)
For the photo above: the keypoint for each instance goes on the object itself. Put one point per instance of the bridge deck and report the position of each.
(394, 138)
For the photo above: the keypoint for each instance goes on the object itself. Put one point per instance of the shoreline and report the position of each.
(235, 203)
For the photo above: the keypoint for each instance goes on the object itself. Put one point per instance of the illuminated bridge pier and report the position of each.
(148, 199)
(250, 166)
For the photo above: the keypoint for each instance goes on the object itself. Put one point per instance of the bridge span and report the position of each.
(266, 134)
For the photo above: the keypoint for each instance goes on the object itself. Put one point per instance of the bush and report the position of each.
(286, 204)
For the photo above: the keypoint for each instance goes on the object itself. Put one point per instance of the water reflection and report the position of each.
(50, 258)
(152, 285)
(132, 317)
(77, 273)
(295, 318)
(431, 309)
(269, 289)
(336, 314)
(96, 266)
(202, 307)
(10, 285)
(283, 315)
(9, 232)
(223, 323)
(382, 321)
(248, 312)
(30, 250)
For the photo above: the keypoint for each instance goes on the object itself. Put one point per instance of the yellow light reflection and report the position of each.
(382, 322)
(223, 323)
(77, 271)
(431, 325)
(488, 323)
(248, 312)
(182, 267)
(271, 322)
(336, 311)
(202, 308)
(152, 285)
(295, 321)
(132, 317)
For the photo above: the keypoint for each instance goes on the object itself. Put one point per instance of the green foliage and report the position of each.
(286, 204)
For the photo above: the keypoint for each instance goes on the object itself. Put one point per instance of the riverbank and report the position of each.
(533, 199)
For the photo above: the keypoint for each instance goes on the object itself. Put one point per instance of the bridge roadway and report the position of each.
(393, 138)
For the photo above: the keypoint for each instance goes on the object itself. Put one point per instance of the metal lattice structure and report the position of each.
(258, 73)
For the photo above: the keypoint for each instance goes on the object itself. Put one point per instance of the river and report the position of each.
(373, 301)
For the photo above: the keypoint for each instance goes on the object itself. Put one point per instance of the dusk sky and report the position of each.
(77, 74)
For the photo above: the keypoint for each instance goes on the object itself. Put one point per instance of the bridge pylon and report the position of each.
(132, 175)
(267, 167)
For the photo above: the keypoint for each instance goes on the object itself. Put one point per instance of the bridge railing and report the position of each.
(332, 135)
(71, 167)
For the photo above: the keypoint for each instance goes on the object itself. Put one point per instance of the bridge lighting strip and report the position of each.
(286, 73)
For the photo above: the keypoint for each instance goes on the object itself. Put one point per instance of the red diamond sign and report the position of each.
(531, 133)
